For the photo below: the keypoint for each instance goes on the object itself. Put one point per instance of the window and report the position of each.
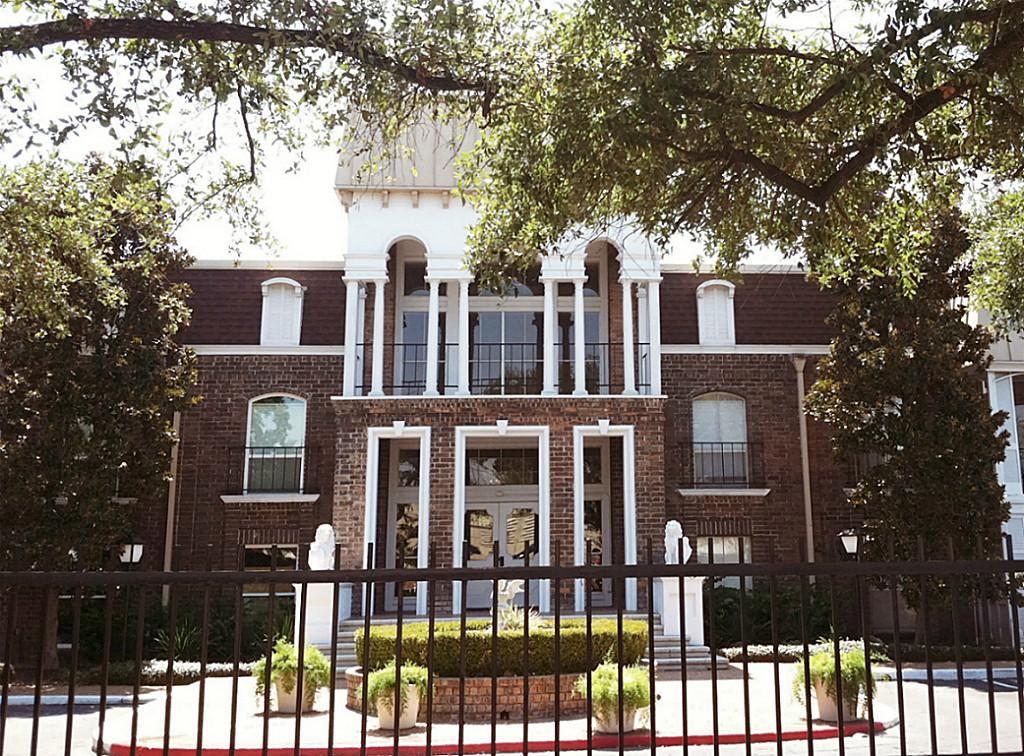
(502, 467)
(720, 441)
(715, 316)
(260, 559)
(282, 312)
(726, 550)
(275, 453)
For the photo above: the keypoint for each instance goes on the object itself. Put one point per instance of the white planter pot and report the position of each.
(828, 711)
(409, 714)
(608, 721)
(287, 701)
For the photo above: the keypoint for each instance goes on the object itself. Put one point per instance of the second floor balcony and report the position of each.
(505, 368)
(273, 470)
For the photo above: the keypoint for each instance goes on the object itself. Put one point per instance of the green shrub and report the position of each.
(823, 672)
(636, 689)
(284, 669)
(447, 646)
(758, 616)
(381, 684)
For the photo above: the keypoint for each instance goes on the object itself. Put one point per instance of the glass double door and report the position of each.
(512, 527)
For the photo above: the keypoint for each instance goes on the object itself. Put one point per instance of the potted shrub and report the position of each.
(284, 673)
(636, 694)
(855, 682)
(381, 691)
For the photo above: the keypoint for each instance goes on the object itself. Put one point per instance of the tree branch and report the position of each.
(355, 46)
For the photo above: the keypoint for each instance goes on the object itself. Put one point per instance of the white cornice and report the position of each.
(257, 349)
(231, 263)
(744, 349)
(782, 268)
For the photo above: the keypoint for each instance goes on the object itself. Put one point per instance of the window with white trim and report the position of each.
(275, 448)
(715, 317)
(720, 456)
(281, 324)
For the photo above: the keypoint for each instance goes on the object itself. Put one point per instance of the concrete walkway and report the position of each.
(313, 727)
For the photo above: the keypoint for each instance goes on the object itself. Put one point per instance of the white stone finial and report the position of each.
(675, 542)
(321, 550)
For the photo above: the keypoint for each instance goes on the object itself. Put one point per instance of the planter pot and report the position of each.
(608, 721)
(287, 701)
(409, 714)
(828, 710)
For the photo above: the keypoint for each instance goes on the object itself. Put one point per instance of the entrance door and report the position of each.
(514, 526)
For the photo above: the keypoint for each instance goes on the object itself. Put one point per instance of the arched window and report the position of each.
(281, 324)
(720, 449)
(715, 317)
(275, 447)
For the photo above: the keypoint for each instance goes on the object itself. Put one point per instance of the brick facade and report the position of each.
(770, 309)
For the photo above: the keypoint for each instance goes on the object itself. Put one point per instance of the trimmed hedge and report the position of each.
(447, 646)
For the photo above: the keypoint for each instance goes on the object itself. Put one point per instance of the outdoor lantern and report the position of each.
(851, 541)
(131, 553)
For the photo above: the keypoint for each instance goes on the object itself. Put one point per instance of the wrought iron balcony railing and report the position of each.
(723, 464)
(512, 368)
(273, 470)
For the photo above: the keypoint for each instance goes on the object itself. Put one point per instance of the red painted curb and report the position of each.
(599, 741)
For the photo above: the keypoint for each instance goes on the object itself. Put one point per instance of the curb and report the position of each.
(945, 674)
(631, 740)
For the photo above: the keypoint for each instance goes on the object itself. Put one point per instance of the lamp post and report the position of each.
(130, 555)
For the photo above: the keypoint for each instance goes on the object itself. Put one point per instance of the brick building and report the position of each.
(391, 396)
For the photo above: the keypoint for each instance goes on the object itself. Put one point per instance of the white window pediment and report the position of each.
(281, 323)
(715, 317)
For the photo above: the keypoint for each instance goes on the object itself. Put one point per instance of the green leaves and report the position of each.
(90, 372)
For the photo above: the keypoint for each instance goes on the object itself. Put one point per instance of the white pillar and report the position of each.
(628, 369)
(348, 384)
(549, 356)
(643, 338)
(432, 350)
(464, 337)
(580, 334)
(654, 314)
(377, 371)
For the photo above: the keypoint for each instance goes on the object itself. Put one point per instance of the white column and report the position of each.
(423, 526)
(348, 384)
(377, 371)
(629, 510)
(432, 351)
(628, 369)
(549, 356)
(580, 334)
(654, 314)
(643, 338)
(464, 337)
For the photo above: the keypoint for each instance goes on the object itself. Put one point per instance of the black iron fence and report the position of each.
(502, 678)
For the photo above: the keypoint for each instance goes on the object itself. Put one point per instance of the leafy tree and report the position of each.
(743, 123)
(747, 124)
(901, 383)
(90, 372)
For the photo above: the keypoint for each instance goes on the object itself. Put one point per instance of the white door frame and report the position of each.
(502, 429)
(626, 432)
(374, 436)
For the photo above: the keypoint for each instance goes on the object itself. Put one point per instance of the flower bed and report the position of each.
(477, 702)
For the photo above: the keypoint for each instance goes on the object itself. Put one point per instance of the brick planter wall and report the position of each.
(478, 698)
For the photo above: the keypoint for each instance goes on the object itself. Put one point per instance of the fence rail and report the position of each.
(937, 639)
